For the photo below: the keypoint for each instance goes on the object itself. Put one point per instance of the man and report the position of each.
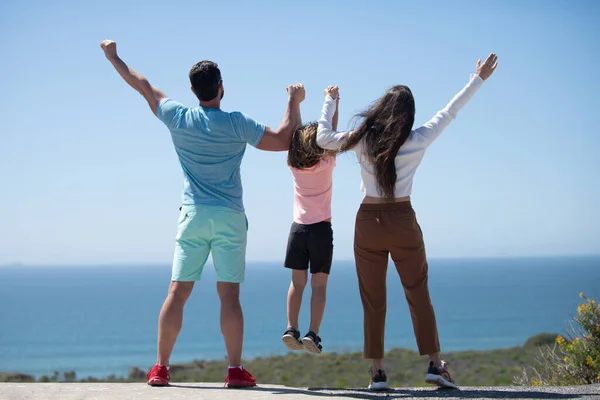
(210, 144)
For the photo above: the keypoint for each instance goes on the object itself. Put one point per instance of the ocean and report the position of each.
(102, 320)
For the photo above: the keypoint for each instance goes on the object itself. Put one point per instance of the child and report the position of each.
(311, 237)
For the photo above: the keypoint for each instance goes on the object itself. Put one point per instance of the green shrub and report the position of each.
(574, 359)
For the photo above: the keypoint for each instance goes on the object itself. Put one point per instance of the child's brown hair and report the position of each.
(304, 151)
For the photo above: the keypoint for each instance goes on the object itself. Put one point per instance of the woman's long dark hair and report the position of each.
(385, 127)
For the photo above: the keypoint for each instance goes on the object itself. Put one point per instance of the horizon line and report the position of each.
(250, 262)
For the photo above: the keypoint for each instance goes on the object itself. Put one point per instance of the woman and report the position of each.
(389, 152)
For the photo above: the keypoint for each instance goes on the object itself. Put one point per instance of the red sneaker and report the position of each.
(239, 378)
(158, 376)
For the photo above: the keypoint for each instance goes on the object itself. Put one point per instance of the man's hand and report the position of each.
(110, 49)
(296, 93)
(134, 79)
(333, 92)
(486, 69)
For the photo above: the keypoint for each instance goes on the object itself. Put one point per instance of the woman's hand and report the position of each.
(332, 91)
(486, 69)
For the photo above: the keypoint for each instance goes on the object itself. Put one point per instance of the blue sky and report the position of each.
(89, 176)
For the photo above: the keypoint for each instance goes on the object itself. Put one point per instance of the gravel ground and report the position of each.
(105, 391)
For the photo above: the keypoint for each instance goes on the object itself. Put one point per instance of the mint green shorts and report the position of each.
(210, 229)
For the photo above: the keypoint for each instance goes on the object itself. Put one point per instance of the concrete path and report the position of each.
(201, 391)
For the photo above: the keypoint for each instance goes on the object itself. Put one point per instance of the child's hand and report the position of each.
(333, 92)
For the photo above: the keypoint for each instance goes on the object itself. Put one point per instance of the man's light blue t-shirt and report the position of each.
(210, 144)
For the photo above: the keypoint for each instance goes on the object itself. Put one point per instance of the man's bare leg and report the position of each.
(232, 321)
(171, 318)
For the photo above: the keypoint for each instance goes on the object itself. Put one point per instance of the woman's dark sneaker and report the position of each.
(291, 338)
(440, 376)
(312, 343)
(378, 380)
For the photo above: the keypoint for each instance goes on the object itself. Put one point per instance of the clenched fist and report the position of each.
(110, 48)
(296, 92)
(333, 92)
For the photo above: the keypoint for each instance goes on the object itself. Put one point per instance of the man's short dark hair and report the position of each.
(205, 77)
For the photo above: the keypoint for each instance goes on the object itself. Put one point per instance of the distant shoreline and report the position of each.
(500, 364)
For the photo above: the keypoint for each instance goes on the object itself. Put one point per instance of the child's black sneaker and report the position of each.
(291, 338)
(378, 380)
(312, 343)
(440, 376)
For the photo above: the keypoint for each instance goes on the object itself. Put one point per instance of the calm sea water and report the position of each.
(102, 320)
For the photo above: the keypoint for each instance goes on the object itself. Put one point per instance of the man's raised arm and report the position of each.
(280, 140)
(152, 95)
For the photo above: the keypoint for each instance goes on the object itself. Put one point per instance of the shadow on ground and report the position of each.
(469, 393)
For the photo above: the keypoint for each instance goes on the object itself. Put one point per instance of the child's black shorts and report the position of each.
(310, 244)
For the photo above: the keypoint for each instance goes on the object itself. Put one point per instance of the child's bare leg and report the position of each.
(294, 299)
(318, 299)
